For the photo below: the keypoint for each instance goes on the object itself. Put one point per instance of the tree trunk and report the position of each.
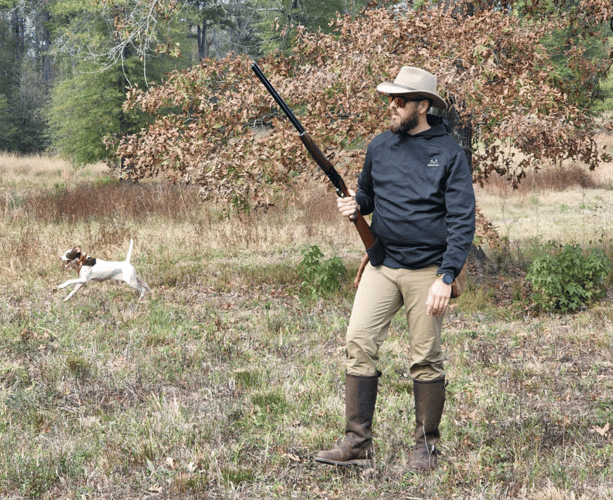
(461, 130)
(202, 47)
(18, 32)
(46, 45)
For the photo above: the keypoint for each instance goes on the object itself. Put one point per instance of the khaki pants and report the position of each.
(382, 292)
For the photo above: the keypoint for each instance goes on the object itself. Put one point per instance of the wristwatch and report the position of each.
(445, 278)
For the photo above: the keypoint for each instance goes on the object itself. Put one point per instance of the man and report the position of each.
(417, 184)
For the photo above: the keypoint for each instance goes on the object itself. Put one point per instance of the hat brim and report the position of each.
(394, 88)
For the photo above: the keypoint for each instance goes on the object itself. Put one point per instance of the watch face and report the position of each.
(447, 279)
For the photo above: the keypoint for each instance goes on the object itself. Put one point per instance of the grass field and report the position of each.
(224, 382)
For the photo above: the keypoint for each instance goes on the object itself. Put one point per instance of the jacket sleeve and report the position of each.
(365, 196)
(460, 218)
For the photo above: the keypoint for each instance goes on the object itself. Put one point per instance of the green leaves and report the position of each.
(320, 277)
(569, 280)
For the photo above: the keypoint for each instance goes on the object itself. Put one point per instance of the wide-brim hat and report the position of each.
(413, 82)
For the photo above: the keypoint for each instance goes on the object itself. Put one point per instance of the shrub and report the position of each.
(320, 277)
(570, 279)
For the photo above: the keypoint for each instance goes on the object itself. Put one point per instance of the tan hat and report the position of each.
(413, 81)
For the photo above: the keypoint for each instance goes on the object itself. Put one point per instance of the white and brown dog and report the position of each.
(92, 269)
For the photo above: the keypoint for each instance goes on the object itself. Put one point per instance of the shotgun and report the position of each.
(368, 238)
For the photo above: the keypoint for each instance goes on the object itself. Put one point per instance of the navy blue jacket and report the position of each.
(420, 193)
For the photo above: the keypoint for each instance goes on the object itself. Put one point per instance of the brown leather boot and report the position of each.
(356, 448)
(429, 403)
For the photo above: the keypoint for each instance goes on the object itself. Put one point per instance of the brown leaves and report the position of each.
(216, 125)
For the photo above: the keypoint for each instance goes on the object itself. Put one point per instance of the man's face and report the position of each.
(403, 119)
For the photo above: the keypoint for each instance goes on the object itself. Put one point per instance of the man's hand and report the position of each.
(347, 206)
(438, 298)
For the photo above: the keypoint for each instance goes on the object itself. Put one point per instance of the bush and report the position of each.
(568, 280)
(320, 277)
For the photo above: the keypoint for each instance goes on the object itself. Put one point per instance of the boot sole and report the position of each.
(366, 463)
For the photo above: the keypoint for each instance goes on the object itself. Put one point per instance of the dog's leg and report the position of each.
(144, 285)
(130, 277)
(138, 286)
(74, 290)
(78, 281)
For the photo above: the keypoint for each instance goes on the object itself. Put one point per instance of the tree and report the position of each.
(23, 82)
(29, 100)
(492, 64)
(8, 131)
(86, 108)
(206, 16)
(102, 49)
(105, 32)
(278, 20)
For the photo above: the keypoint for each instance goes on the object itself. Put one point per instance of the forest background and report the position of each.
(225, 381)
(67, 65)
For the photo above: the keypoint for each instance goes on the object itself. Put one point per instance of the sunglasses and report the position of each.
(401, 101)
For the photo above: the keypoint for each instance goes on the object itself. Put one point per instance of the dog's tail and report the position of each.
(130, 251)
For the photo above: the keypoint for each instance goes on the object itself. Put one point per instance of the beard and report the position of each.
(409, 123)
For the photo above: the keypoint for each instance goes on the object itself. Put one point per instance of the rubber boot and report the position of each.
(356, 447)
(429, 403)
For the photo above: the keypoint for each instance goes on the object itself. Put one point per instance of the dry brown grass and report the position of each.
(565, 204)
(546, 179)
(42, 171)
(102, 200)
(558, 178)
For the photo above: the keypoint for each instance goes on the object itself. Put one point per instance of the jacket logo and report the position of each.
(433, 163)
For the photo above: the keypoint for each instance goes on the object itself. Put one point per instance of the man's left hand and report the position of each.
(347, 206)
(438, 298)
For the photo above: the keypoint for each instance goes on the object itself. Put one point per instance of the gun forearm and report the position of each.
(324, 164)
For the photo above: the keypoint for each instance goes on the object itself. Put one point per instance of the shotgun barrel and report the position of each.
(366, 234)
